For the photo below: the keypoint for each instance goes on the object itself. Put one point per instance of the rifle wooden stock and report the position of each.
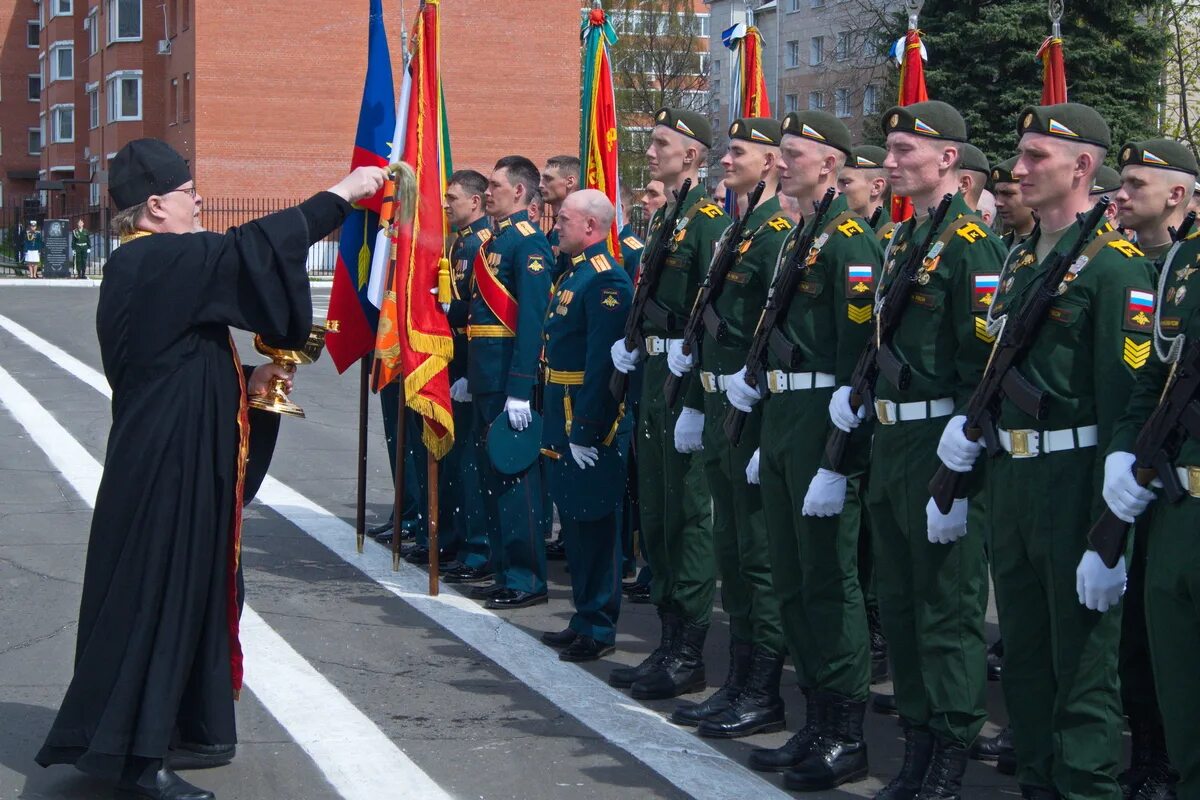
(1000, 376)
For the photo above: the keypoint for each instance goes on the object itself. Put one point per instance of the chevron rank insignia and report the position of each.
(1136, 355)
(536, 264)
(860, 281)
(981, 330)
(524, 228)
(1139, 311)
(859, 315)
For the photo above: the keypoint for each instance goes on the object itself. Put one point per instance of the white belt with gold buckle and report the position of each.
(1023, 443)
(657, 345)
(779, 381)
(889, 413)
(1190, 478)
(712, 382)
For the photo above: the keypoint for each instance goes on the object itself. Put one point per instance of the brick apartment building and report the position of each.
(261, 97)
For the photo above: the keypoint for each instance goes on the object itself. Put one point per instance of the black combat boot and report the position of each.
(991, 748)
(758, 708)
(839, 754)
(739, 670)
(624, 677)
(1160, 777)
(1149, 776)
(918, 752)
(879, 647)
(796, 748)
(680, 671)
(943, 779)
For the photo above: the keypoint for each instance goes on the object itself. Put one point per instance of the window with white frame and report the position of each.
(793, 53)
(816, 101)
(791, 103)
(124, 20)
(94, 193)
(816, 51)
(93, 93)
(841, 49)
(35, 141)
(34, 90)
(92, 23)
(793, 5)
(841, 101)
(124, 91)
(61, 8)
(870, 99)
(62, 61)
(33, 33)
(1, 194)
(62, 123)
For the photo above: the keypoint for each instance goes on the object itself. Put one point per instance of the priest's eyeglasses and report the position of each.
(191, 190)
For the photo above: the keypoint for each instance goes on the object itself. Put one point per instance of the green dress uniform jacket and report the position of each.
(674, 501)
(1172, 578)
(932, 596)
(81, 245)
(813, 559)
(587, 314)
(1061, 683)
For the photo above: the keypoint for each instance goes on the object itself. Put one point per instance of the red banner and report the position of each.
(1054, 71)
(912, 90)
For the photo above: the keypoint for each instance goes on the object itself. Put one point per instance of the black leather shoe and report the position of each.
(918, 752)
(585, 648)
(189, 755)
(839, 754)
(757, 708)
(419, 556)
(681, 671)
(990, 748)
(995, 660)
(640, 593)
(486, 591)
(556, 551)
(943, 780)
(883, 703)
(624, 677)
(795, 749)
(464, 574)
(167, 786)
(560, 639)
(693, 714)
(382, 527)
(512, 598)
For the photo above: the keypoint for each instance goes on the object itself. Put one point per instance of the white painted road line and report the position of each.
(354, 755)
(677, 755)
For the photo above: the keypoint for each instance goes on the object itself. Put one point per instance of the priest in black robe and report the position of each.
(157, 657)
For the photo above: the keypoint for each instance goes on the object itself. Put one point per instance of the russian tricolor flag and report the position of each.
(1141, 301)
(860, 274)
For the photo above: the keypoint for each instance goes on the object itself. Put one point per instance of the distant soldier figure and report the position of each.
(81, 246)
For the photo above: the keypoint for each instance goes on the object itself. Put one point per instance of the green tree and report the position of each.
(982, 61)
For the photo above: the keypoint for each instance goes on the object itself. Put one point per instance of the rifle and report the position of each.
(1176, 417)
(703, 315)
(779, 299)
(647, 282)
(878, 355)
(875, 217)
(1000, 376)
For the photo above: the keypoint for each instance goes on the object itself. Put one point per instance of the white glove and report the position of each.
(1099, 587)
(946, 528)
(1124, 496)
(584, 456)
(826, 495)
(752, 469)
(955, 450)
(624, 360)
(677, 362)
(689, 431)
(840, 412)
(459, 392)
(742, 395)
(519, 413)
(445, 306)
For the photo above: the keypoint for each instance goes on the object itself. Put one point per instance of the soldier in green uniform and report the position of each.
(1016, 217)
(748, 701)
(973, 173)
(510, 289)
(930, 576)
(673, 493)
(81, 246)
(863, 182)
(813, 533)
(1156, 184)
(1060, 669)
(1172, 567)
(586, 433)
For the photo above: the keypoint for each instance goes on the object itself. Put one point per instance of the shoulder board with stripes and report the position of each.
(600, 263)
(524, 228)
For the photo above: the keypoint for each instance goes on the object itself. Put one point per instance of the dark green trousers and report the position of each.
(932, 597)
(813, 559)
(675, 509)
(594, 558)
(1060, 659)
(458, 479)
(740, 530)
(1173, 620)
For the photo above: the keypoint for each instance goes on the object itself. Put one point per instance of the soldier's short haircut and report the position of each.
(565, 165)
(521, 171)
(473, 182)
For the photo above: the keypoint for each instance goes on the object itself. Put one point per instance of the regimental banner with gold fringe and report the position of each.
(910, 54)
(598, 118)
(748, 93)
(1054, 71)
(414, 341)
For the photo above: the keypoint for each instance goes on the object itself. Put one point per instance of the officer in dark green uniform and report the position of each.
(81, 246)
(813, 534)
(587, 431)
(510, 289)
(749, 701)
(558, 179)
(1060, 670)
(863, 183)
(1157, 177)
(930, 576)
(1016, 217)
(674, 500)
(1172, 568)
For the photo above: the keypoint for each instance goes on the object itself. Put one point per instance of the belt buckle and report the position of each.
(882, 413)
(709, 381)
(776, 382)
(1020, 444)
(1193, 481)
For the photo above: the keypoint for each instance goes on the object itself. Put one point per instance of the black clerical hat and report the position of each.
(145, 167)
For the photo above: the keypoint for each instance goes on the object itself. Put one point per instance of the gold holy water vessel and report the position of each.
(276, 399)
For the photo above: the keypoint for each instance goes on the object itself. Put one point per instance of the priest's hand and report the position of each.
(260, 379)
(362, 183)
